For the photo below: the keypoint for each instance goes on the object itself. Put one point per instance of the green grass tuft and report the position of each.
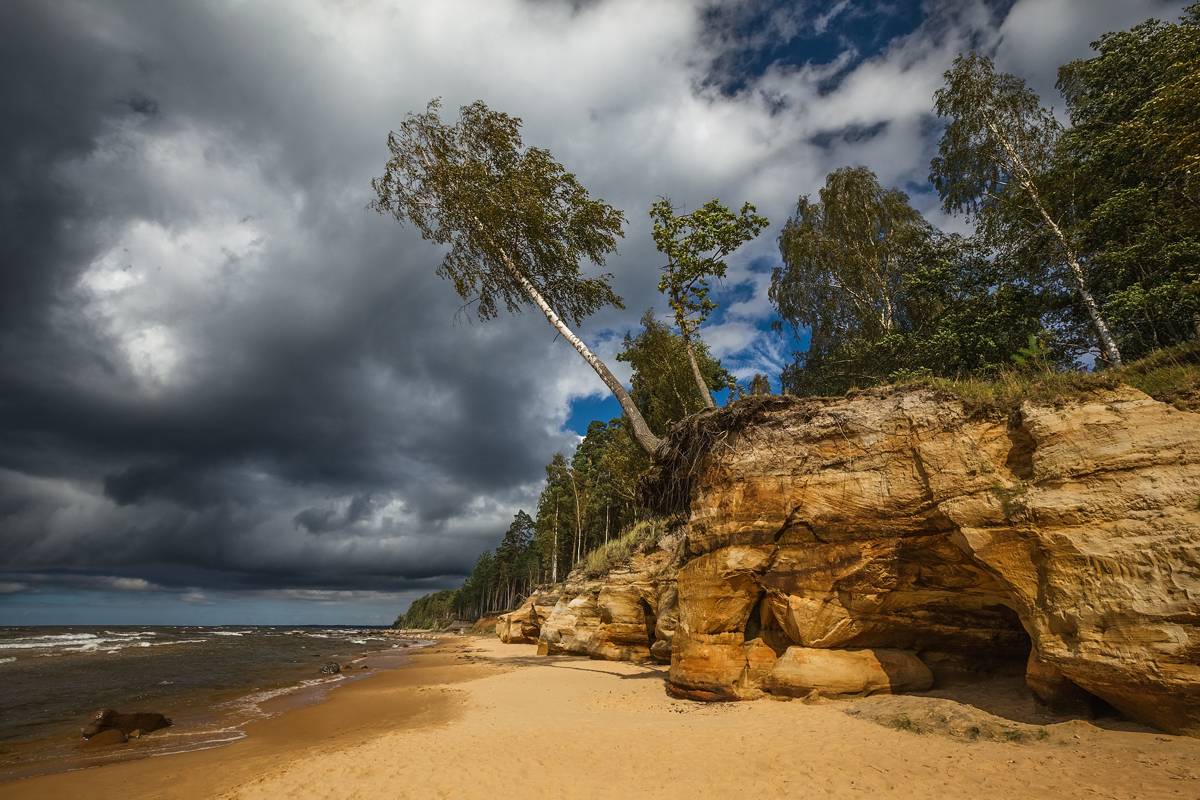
(602, 560)
(1171, 375)
(903, 722)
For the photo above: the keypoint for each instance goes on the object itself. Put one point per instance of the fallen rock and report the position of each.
(800, 671)
(107, 719)
(523, 625)
(1054, 689)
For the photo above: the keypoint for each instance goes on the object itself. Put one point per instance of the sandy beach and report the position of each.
(471, 717)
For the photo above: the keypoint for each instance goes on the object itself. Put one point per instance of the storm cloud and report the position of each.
(220, 373)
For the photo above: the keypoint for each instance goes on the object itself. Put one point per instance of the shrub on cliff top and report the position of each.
(1171, 375)
(616, 552)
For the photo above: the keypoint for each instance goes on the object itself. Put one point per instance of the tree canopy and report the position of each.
(844, 259)
(997, 162)
(517, 223)
(500, 206)
(696, 246)
(953, 310)
(1134, 147)
(663, 383)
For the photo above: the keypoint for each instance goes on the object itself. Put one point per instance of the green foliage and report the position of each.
(1134, 146)
(998, 162)
(619, 550)
(1034, 355)
(696, 246)
(663, 386)
(1093, 227)
(845, 257)
(431, 612)
(1171, 375)
(924, 303)
(503, 209)
(998, 139)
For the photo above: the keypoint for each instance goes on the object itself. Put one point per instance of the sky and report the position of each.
(229, 393)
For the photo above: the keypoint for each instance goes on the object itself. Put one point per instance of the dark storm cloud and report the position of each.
(318, 362)
(219, 371)
(325, 520)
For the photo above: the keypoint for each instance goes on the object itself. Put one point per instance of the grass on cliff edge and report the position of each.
(616, 552)
(1171, 375)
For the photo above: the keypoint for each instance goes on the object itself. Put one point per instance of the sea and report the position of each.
(210, 681)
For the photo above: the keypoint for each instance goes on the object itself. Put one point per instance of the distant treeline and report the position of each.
(432, 611)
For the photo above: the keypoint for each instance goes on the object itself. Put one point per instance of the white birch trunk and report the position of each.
(700, 384)
(1108, 344)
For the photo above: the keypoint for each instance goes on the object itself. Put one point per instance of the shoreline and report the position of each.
(207, 718)
(471, 717)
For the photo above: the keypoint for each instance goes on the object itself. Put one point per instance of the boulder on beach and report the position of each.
(107, 719)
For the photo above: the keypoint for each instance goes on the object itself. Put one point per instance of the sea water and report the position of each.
(209, 680)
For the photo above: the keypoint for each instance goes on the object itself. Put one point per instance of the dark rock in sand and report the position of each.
(332, 668)
(107, 736)
(107, 719)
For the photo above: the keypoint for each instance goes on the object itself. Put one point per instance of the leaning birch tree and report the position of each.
(696, 246)
(998, 144)
(517, 224)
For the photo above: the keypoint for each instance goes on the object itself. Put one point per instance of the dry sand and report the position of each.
(472, 718)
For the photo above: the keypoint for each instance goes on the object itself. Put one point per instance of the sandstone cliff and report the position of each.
(629, 614)
(883, 541)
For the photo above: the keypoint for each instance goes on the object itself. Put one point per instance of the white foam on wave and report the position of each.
(207, 744)
(8, 660)
(80, 642)
(111, 646)
(47, 640)
(252, 703)
(228, 633)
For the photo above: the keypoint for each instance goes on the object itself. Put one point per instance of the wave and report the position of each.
(48, 640)
(113, 645)
(8, 660)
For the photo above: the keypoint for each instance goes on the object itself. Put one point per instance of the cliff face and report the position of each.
(627, 615)
(882, 542)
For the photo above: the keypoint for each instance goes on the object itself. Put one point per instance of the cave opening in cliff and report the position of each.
(651, 621)
(761, 624)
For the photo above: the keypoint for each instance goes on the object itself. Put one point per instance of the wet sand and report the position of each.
(474, 718)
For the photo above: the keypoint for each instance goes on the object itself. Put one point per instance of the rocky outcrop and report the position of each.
(896, 520)
(626, 615)
(106, 720)
(878, 542)
(523, 625)
(617, 616)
